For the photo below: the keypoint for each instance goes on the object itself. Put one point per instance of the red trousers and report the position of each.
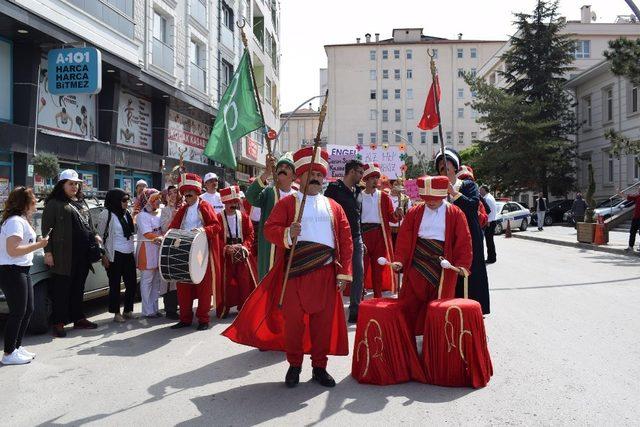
(310, 298)
(415, 294)
(187, 292)
(239, 284)
(374, 241)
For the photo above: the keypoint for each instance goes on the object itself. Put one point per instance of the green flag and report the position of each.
(237, 116)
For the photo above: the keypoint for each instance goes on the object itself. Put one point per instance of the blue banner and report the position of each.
(74, 71)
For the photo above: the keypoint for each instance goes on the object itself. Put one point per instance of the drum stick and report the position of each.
(446, 264)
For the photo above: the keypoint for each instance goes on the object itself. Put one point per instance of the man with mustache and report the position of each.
(238, 269)
(311, 319)
(264, 196)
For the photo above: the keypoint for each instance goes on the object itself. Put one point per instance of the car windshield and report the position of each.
(499, 206)
(608, 203)
(555, 203)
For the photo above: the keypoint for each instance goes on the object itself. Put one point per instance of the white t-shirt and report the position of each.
(284, 194)
(191, 219)
(491, 201)
(20, 227)
(148, 223)
(433, 223)
(233, 231)
(214, 200)
(120, 243)
(370, 208)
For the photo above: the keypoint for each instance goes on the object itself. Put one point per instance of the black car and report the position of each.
(555, 212)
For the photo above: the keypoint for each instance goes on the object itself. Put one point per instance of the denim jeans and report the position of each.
(541, 218)
(358, 276)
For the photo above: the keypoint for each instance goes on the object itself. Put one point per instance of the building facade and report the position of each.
(300, 129)
(378, 89)
(605, 101)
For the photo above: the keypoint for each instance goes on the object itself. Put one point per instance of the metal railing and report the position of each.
(162, 56)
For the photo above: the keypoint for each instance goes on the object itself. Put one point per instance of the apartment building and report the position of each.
(300, 129)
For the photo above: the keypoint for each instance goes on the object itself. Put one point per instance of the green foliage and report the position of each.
(625, 58)
(416, 166)
(528, 122)
(469, 155)
(46, 165)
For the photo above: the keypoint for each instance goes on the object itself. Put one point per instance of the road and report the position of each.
(562, 335)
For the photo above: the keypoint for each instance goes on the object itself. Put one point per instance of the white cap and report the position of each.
(210, 176)
(142, 182)
(69, 174)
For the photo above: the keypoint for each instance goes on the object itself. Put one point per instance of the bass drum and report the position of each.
(184, 256)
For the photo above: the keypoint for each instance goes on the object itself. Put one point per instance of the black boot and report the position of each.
(323, 378)
(293, 376)
(180, 325)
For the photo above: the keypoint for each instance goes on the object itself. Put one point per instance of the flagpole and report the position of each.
(436, 95)
(316, 147)
(257, 95)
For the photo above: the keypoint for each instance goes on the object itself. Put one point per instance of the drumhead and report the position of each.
(199, 258)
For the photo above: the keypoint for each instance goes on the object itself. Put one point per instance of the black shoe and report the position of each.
(323, 378)
(490, 261)
(293, 376)
(203, 326)
(180, 325)
(353, 318)
(173, 316)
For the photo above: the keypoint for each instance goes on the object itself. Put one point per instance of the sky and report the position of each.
(308, 25)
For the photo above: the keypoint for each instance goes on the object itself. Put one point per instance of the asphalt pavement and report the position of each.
(562, 335)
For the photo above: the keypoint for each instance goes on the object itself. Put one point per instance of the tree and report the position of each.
(415, 167)
(529, 121)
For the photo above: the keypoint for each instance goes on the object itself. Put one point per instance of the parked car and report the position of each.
(612, 207)
(518, 215)
(97, 283)
(555, 212)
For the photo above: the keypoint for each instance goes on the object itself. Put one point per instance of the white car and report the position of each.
(612, 207)
(514, 212)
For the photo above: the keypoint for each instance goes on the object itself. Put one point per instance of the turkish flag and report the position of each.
(430, 117)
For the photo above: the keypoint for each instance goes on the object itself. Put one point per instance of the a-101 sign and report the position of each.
(74, 70)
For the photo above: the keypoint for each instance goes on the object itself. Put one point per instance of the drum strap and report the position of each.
(426, 259)
(309, 256)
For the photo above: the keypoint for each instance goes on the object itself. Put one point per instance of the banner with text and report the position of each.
(389, 158)
(188, 136)
(134, 121)
(339, 155)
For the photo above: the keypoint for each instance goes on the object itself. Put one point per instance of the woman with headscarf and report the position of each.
(149, 239)
(465, 195)
(168, 290)
(115, 226)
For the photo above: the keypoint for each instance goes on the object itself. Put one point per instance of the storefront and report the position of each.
(6, 176)
(126, 179)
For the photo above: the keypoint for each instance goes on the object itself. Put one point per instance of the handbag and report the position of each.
(94, 251)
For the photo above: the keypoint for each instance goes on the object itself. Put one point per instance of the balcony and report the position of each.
(198, 78)
(162, 56)
(199, 11)
(226, 37)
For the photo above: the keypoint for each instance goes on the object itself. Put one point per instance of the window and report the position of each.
(385, 115)
(460, 53)
(474, 72)
(492, 79)
(360, 138)
(409, 54)
(372, 55)
(372, 94)
(118, 14)
(396, 94)
(227, 16)
(396, 54)
(385, 74)
(473, 52)
(608, 105)
(385, 94)
(409, 113)
(435, 138)
(461, 113)
(372, 75)
(586, 111)
(160, 29)
(423, 137)
(385, 54)
(373, 137)
(460, 137)
(409, 73)
(474, 136)
(197, 70)
(474, 113)
(636, 167)
(198, 9)
(409, 93)
(397, 115)
(373, 114)
(474, 94)
(632, 103)
(385, 136)
(396, 74)
(460, 73)
(267, 90)
(610, 168)
(410, 137)
(448, 136)
(460, 93)
(583, 49)
(397, 133)
(226, 76)
(196, 53)
(434, 52)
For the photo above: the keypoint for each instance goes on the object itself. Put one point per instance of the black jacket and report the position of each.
(348, 199)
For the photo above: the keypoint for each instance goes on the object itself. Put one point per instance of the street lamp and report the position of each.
(409, 143)
(283, 124)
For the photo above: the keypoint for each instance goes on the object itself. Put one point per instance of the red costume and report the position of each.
(203, 291)
(420, 273)
(377, 238)
(311, 319)
(238, 265)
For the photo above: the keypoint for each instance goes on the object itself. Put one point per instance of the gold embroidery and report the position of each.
(448, 326)
(365, 342)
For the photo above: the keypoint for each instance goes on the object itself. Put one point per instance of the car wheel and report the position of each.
(39, 323)
(498, 229)
(524, 225)
(548, 220)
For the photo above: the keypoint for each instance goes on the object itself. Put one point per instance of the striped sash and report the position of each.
(368, 226)
(309, 256)
(426, 259)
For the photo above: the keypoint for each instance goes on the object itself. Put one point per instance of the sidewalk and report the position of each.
(567, 236)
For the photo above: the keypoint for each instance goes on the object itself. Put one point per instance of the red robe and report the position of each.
(457, 250)
(187, 292)
(386, 212)
(483, 218)
(238, 280)
(261, 322)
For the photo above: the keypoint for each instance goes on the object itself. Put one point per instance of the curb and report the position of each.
(579, 245)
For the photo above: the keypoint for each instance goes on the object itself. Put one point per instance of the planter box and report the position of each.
(586, 231)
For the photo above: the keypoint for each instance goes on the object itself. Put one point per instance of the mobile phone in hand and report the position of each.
(46, 236)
